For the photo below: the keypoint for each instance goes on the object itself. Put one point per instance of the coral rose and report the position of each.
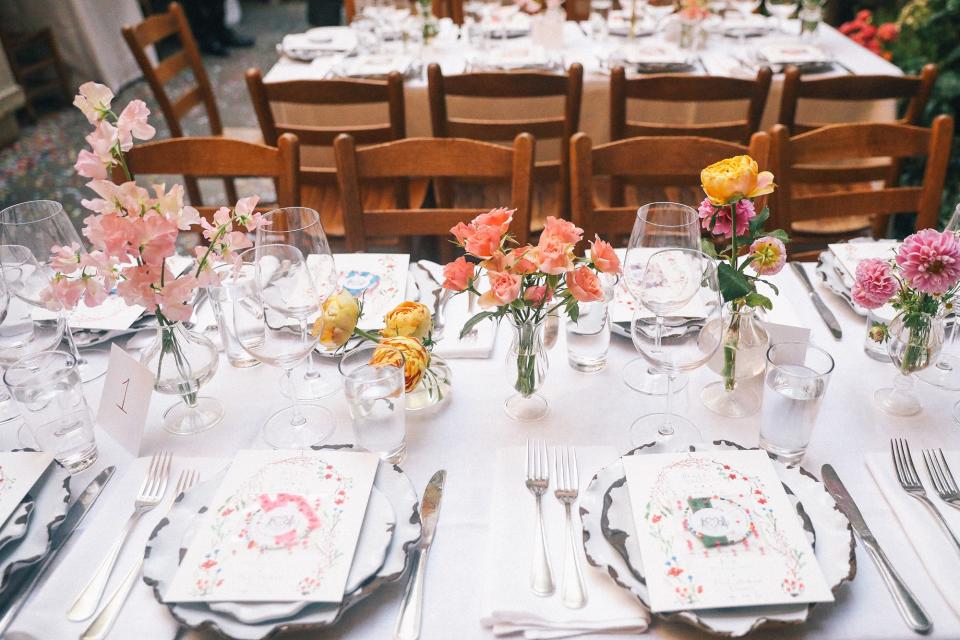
(734, 179)
(338, 318)
(504, 289)
(410, 319)
(458, 274)
(561, 230)
(416, 359)
(499, 218)
(584, 285)
(604, 258)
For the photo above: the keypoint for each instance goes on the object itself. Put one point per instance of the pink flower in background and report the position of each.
(156, 238)
(138, 286)
(132, 123)
(560, 230)
(93, 101)
(66, 259)
(245, 215)
(930, 261)
(604, 257)
(175, 295)
(63, 293)
(584, 285)
(457, 274)
(504, 289)
(97, 162)
(499, 218)
(538, 295)
(769, 256)
(483, 242)
(874, 283)
(717, 219)
(555, 256)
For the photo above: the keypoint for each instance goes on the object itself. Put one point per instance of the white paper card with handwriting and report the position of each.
(125, 401)
(19, 471)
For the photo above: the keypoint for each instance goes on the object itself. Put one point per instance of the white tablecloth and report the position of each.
(463, 438)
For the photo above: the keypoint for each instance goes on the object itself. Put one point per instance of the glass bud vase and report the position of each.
(434, 388)
(526, 368)
(739, 359)
(181, 362)
(914, 341)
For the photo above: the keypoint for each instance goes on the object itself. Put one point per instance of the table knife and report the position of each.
(411, 607)
(61, 535)
(822, 308)
(910, 609)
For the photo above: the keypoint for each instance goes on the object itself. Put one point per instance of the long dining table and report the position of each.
(463, 436)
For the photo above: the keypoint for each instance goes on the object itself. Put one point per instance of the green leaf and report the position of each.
(779, 234)
(707, 246)
(469, 324)
(733, 284)
(755, 299)
(756, 225)
(573, 312)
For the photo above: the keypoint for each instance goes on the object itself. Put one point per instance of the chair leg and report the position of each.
(231, 191)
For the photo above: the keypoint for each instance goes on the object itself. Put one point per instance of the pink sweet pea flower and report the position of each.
(65, 259)
(137, 287)
(170, 205)
(930, 261)
(114, 235)
(499, 218)
(97, 163)
(174, 296)
(93, 101)
(89, 166)
(874, 283)
(132, 123)
(157, 238)
(605, 259)
(246, 216)
(560, 230)
(94, 292)
(504, 289)
(457, 274)
(717, 219)
(769, 256)
(584, 285)
(63, 293)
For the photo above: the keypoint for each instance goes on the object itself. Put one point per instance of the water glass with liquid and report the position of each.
(234, 283)
(588, 339)
(375, 396)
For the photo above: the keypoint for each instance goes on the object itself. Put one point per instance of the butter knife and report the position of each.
(828, 318)
(910, 609)
(411, 607)
(61, 535)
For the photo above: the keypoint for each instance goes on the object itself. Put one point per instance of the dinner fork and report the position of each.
(942, 477)
(150, 494)
(910, 481)
(104, 621)
(572, 589)
(538, 480)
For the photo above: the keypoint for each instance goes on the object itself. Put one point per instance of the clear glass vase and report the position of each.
(739, 360)
(434, 387)
(527, 366)
(914, 341)
(181, 362)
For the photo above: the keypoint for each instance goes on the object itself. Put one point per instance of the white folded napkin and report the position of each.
(792, 53)
(306, 46)
(924, 533)
(509, 606)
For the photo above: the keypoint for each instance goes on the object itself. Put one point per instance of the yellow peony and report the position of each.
(410, 319)
(338, 319)
(415, 357)
(735, 178)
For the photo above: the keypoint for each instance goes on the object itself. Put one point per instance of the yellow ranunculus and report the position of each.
(415, 357)
(735, 178)
(338, 319)
(410, 319)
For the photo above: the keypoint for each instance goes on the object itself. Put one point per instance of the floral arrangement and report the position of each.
(536, 6)
(694, 10)
(876, 38)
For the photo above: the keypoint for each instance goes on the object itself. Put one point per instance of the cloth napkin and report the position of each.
(509, 606)
(301, 46)
(924, 533)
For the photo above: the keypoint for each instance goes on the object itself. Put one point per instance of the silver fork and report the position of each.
(573, 591)
(151, 493)
(538, 480)
(104, 621)
(910, 481)
(942, 477)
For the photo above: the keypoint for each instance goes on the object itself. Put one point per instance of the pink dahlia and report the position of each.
(769, 256)
(875, 283)
(930, 261)
(717, 219)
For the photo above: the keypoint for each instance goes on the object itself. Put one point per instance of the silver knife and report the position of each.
(411, 607)
(822, 308)
(910, 609)
(60, 537)
(440, 298)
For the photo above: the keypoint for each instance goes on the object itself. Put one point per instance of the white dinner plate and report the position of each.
(17, 524)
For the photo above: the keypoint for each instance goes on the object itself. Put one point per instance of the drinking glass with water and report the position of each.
(375, 396)
(588, 339)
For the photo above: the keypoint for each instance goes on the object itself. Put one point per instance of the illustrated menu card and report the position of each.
(379, 279)
(282, 527)
(717, 530)
(850, 254)
(19, 471)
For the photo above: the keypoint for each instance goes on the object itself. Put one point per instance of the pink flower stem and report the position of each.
(732, 334)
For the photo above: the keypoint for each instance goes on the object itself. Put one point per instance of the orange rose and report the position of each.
(735, 178)
(407, 319)
(416, 359)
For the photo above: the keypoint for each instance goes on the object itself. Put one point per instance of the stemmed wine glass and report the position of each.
(945, 372)
(40, 225)
(301, 227)
(282, 299)
(680, 294)
(781, 10)
(659, 10)
(658, 225)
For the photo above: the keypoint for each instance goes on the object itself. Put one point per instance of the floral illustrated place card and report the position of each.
(850, 254)
(717, 530)
(282, 527)
(378, 279)
(19, 471)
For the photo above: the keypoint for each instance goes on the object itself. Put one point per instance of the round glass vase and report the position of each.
(914, 341)
(181, 362)
(527, 366)
(739, 360)
(433, 388)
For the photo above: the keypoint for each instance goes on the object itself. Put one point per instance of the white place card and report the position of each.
(125, 401)
(112, 315)
(850, 254)
(19, 470)
(717, 530)
(379, 279)
(282, 527)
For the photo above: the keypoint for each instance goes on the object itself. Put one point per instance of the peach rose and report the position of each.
(555, 256)
(338, 319)
(584, 285)
(483, 242)
(561, 230)
(504, 289)
(524, 260)
(458, 274)
(539, 295)
(416, 359)
(604, 257)
(499, 218)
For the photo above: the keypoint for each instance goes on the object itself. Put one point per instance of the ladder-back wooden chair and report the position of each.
(552, 195)
(798, 163)
(449, 158)
(452, 9)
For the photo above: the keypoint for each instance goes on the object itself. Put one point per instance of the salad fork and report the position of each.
(942, 477)
(572, 588)
(150, 494)
(910, 481)
(538, 480)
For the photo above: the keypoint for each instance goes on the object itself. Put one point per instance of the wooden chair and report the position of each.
(37, 66)
(204, 157)
(452, 9)
(159, 27)
(577, 10)
(798, 162)
(319, 184)
(653, 161)
(429, 157)
(553, 176)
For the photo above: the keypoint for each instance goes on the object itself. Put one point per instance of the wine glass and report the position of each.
(658, 225)
(680, 293)
(781, 10)
(745, 8)
(945, 372)
(284, 301)
(40, 225)
(659, 10)
(301, 227)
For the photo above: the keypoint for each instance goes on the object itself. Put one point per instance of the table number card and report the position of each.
(125, 400)
(717, 530)
(19, 471)
(282, 527)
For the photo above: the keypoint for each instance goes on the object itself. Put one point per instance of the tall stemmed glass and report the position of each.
(301, 227)
(283, 299)
(659, 10)
(658, 225)
(945, 373)
(680, 294)
(40, 225)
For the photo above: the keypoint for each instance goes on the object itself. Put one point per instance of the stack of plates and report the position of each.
(807, 57)
(657, 57)
(391, 527)
(610, 541)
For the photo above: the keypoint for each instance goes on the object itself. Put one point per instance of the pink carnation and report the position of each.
(717, 219)
(875, 283)
(930, 261)
(769, 256)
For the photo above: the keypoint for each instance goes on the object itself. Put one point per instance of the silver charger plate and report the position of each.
(164, 553)
(610, 543)
(18, 522)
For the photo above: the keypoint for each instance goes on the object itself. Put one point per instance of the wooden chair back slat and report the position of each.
(324, 136)
(452, 9)
(855, 203)
(857, 141)
(719, 131)
(336, 91)
(171, 66)
(187, 101)
(540, 128)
